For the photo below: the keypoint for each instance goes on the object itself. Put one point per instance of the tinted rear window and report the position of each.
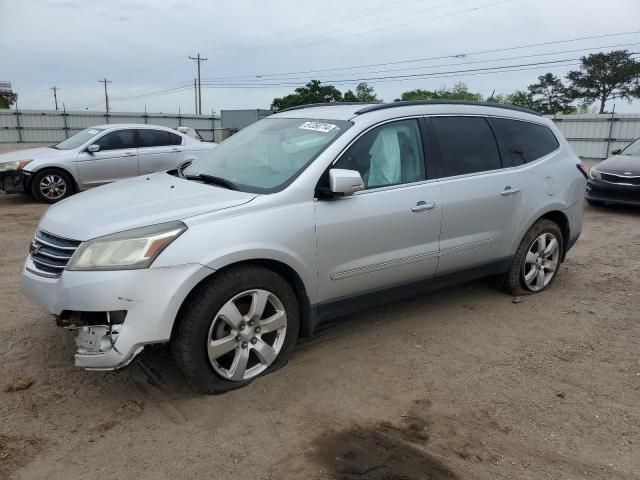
(524, 141)
(467, 145)
(158, 138)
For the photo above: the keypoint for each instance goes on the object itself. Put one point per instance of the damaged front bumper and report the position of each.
(14, 181)
(114, 313)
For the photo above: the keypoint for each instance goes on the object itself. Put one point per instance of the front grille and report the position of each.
(622, 179)
(50, 253)
(604, 194)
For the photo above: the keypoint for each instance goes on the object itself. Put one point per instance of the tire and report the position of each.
(514, 281)
(595, 203)
(51, 185)
(209, 325)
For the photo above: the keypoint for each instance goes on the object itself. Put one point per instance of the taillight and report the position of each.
(583, 169)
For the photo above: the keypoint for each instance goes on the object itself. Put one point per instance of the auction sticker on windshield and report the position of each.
(318, 127)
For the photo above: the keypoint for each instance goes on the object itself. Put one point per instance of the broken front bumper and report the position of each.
(150, 299)
(13, 182)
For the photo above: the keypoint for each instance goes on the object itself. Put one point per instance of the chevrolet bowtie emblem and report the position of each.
(34, 249)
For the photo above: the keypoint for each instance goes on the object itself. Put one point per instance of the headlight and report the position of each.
(15, 165)
(132, 249)
(595, 174)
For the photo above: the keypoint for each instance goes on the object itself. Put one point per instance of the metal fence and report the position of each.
(591, 136)
(51, 126)
(595, 136)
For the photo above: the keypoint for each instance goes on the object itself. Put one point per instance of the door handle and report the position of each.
(508, 191)
(175, 149)
(422, 206)
(128, 154)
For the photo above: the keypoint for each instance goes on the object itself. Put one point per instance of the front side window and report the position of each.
(524, 141)
(117, 140)
(79, 139)
(268, 154)
(467, 145)
(387, 155)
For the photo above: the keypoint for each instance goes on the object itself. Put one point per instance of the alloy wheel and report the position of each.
(541, 262)
(53, 186)
(247, 334)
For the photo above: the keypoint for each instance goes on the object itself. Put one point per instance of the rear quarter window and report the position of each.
(524, 142)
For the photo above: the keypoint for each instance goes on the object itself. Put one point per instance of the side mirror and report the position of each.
(617, 151)
(93, 148)
(345, 182)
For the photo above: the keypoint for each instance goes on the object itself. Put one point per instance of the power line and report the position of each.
(424, 59)
(353, 34)
(199, 59)
(323, 34)
(314, 26)
(106, 95)
(495, 69)
(209, 82)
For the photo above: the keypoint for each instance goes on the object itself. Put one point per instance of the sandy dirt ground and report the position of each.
(458, 384)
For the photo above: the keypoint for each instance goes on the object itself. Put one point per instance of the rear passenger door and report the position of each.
(482, 201)
(159, 150)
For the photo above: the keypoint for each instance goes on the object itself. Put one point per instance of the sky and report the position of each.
(260, 50)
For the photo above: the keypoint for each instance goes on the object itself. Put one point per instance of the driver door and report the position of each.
(116, 159)
(387, 234)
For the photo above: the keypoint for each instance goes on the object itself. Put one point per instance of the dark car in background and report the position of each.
(617, 179)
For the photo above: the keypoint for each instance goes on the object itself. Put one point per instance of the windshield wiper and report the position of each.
(213, 180)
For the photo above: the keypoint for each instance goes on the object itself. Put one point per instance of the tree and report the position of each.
(312, 92)
(459, 91)
(519, 98)
(364, 93)
(7, 99)
(550, 95)
(605, 76)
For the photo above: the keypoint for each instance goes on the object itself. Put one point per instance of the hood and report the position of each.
(34, 154)
(620, 164)
(136, 202)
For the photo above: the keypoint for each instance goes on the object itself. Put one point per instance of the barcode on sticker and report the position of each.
(317, 126)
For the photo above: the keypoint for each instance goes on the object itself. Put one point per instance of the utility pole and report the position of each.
(106, 95)
(199, 59)
(55, 95)
(195, 89)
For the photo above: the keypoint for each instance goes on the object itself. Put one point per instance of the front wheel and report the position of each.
(537, 260)
(51, 186)
(241, 324)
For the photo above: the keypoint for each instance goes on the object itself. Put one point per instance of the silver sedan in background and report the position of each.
(96, 156)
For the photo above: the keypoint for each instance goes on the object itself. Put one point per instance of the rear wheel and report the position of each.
(537, 260)
(241, 324)
(51, 186)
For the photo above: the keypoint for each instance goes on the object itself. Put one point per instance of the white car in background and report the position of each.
(95, 156)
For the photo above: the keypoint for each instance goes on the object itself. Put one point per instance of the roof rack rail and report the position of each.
(327, 104)
(383, 106)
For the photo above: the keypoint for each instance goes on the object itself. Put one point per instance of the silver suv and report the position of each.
(312, 213)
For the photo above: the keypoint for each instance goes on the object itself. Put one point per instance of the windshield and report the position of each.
(78, 139)
(633, 149)
(269, 154)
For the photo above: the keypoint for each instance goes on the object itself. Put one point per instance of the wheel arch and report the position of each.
(559, 218)
(286, 271)
(74, 180)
